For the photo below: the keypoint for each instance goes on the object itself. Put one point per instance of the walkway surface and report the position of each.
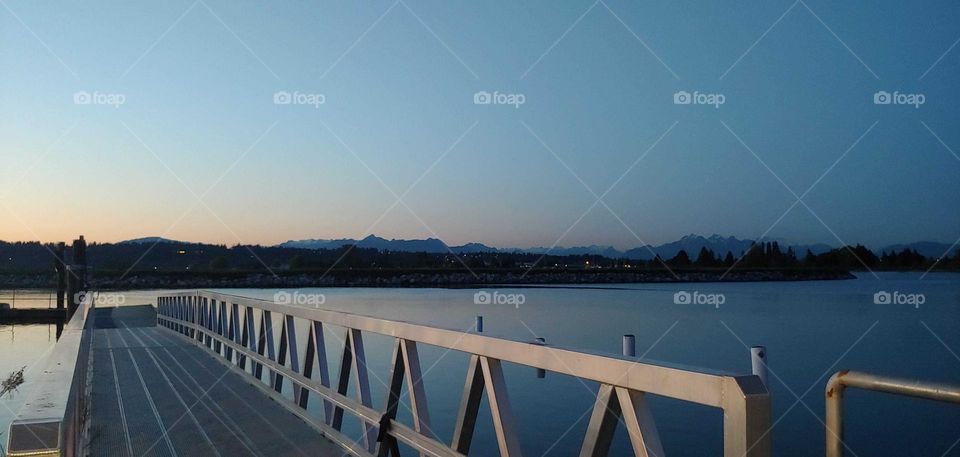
(157, 394)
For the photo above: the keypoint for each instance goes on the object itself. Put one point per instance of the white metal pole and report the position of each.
(541, 373)
(629, 345)
(758, 356)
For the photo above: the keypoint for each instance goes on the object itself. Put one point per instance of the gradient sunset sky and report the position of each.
(598, 153)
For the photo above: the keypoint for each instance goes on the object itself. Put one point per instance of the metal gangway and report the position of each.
(240, 330)
(176, 350)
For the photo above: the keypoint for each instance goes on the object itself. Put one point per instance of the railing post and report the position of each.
(834, 416)
(210, 309)
(746, 417)
(234, 333)
(222, 324)
(202, 321)
(291, 342)
(196, 314)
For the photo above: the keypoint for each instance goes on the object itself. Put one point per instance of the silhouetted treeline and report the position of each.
(167, 257)
(772, 256)
(32, 257)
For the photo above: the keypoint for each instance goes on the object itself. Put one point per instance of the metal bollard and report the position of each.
(541, 373)
(758, 357)
(629, 346)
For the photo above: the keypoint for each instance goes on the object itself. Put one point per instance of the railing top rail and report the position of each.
(889, 384)
(706, 387)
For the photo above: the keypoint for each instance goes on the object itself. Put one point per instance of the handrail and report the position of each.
(227, 325)
(899, 386)
(53, 417)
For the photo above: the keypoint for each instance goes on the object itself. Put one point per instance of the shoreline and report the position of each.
(419, 279)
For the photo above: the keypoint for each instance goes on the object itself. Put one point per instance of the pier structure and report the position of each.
(204, 373)
(70, 278)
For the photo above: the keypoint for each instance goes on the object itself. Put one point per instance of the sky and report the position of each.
(259, 122)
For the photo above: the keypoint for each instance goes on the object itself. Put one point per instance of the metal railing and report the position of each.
(226, 325)
(909, 387)
(54, 415)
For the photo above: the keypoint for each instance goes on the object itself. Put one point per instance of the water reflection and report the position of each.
(23, 346)
(20, 299)
(9, 332)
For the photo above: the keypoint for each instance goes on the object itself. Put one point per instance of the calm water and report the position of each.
(21, 346)
(811, 329)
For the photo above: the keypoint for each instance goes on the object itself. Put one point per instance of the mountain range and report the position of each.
(690, 243)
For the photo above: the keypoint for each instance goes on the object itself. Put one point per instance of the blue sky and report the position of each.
(199, 150)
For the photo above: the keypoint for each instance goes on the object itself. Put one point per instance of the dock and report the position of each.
(209, 374)
(201, 373)
(173, 399)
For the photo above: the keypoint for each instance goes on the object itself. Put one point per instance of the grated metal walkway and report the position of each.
(156, 394)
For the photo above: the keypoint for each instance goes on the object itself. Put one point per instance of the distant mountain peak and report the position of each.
(151, 240)
(372, 241)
